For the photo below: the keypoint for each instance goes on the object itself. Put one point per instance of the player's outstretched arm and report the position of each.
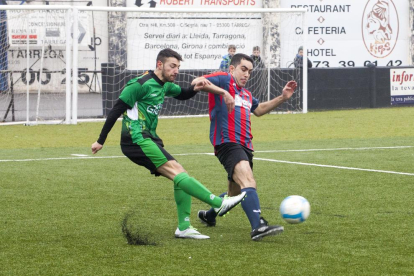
(268, 106)
(203, 84)
(289, 89)
(200, 83)
(96, 147)
(119, 108)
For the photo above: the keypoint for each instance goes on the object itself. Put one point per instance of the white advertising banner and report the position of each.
(201, 41)
(43, 26)
(210, 4)
(402, 86)
(350, 33)
(48, 27)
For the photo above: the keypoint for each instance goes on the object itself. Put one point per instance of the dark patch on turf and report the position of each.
(133, 233)
(339, 216)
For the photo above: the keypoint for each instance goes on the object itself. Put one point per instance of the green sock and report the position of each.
(194, 188)
(183, 201)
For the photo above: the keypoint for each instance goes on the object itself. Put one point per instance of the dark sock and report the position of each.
(251, 206)
(211, 214)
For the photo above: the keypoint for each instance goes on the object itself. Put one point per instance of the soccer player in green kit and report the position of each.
(140, 102)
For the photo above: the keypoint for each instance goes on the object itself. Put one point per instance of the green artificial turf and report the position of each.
(62, 214)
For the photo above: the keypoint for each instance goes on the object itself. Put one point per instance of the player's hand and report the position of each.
(197, 80)
(289, 89)
(199, 83)
(229, 101)
(96, 147)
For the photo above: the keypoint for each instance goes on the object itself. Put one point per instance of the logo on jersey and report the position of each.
(154, 109)
(240, 102)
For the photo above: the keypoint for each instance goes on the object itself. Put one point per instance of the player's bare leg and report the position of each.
(233, 188)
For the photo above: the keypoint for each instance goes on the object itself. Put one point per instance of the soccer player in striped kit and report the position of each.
(231, 136)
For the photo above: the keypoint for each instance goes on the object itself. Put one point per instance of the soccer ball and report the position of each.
(295, 209)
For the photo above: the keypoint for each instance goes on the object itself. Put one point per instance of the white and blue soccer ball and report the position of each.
(295, 209)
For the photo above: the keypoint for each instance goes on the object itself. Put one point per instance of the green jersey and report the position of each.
(145, 95)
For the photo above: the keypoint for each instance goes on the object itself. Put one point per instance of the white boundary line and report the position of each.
(200, 153)
(331, 166)
(88, 157)
(333, 149)
(62, 158)
(256, 158)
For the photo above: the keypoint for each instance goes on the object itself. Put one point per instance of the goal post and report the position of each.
(74, 65)
(37, 47)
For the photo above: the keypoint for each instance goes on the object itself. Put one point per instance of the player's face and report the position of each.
(256, 53)
(169, 69)
(242, 72)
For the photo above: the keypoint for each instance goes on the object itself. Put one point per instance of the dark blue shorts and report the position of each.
(230, 154)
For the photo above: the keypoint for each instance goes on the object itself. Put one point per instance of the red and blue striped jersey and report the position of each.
(230, 127)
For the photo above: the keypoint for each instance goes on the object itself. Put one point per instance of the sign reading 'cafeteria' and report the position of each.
(349, 33)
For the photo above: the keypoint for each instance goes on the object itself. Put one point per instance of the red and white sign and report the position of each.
(402, 86)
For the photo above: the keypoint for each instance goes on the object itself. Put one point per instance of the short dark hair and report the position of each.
(237, 58)
(167, 53)
(231, 46)
(256, 48)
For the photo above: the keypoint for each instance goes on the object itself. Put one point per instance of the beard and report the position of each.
(169, 78)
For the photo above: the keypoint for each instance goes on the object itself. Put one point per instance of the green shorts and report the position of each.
(149, 153)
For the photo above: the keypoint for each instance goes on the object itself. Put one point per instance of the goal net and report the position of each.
(100, 49)
(203, 38)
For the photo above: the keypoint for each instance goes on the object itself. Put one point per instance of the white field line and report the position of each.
(334, 149)
(256, 158)
(61, 158)
(200, 153)
(331, 166)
